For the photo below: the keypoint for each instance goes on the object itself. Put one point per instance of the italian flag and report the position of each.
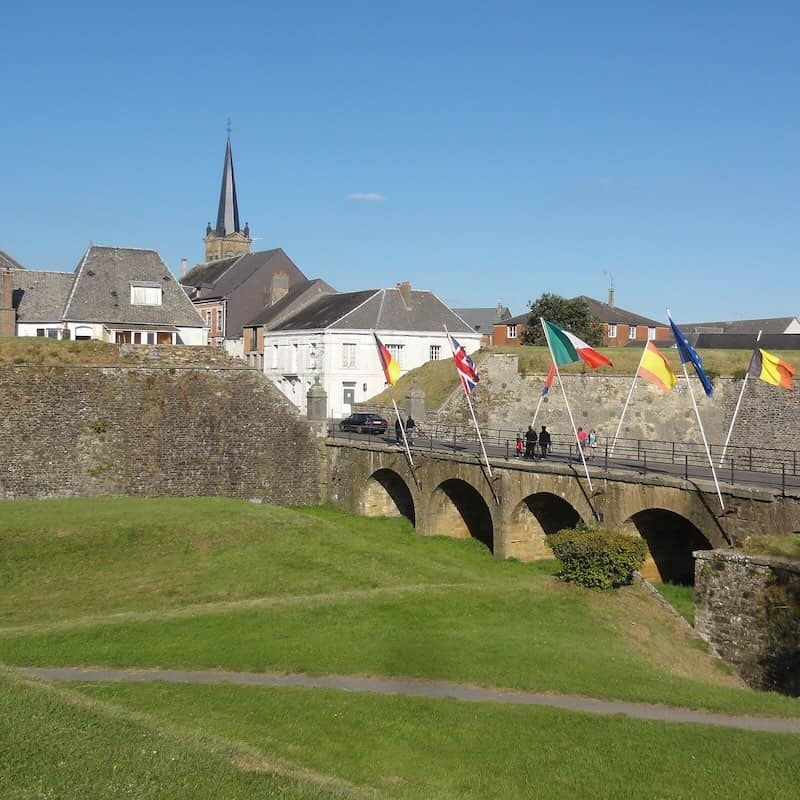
(566, 348)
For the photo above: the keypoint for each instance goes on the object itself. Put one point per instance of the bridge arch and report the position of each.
(386, 494)
(531, 519)
(671, 538)
(458, 509)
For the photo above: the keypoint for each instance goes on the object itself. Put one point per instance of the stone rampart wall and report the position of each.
(748, 609)
(84, 431)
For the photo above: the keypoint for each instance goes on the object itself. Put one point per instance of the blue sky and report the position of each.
(485, 151)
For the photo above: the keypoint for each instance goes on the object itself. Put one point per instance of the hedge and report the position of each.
(597, 559)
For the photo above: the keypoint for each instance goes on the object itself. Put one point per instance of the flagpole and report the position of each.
(566, 402)
(699, 421)
(403, 431)
(536, 413)
(469, 403)
(738, 403)
(394, 403)
(630, 394)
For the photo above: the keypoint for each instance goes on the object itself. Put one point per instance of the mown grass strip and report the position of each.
(439, 749)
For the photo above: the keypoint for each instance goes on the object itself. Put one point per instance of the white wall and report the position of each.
(302, 357)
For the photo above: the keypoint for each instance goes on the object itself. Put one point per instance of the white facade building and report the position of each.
(121, 295)
(331, 342)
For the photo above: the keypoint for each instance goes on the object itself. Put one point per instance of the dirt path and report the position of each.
(429, 689)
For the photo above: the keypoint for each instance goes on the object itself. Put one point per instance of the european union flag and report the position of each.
(688, 353)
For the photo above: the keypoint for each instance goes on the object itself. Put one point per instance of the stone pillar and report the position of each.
(8, 319)
(317, 408)
(415, 404)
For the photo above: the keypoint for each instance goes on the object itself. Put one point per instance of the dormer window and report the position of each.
(145, 294)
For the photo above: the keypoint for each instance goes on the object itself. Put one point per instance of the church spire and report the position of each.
(228, 214)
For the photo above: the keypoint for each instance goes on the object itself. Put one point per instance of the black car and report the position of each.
(364, 423)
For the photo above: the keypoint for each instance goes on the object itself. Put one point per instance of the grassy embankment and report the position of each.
(219, 583)
(438, 379)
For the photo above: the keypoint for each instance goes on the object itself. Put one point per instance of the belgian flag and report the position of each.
(771, 369)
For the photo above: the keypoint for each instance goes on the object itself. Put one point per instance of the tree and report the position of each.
(572, 315)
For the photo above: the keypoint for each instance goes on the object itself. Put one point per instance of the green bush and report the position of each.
(597, 559)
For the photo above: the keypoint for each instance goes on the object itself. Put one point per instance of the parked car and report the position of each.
(364, 423)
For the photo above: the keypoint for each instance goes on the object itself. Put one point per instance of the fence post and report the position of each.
(638, 446)
(732, 460)
(506, 449)
(750, 455)
(686, 466)
(645, 462)
(794, 462)
(783, 479)
(606, 462)
(673, 452)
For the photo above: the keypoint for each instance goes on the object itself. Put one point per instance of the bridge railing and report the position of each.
(742, 466)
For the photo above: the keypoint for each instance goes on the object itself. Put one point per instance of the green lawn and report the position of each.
(199, 583)
(680, 597)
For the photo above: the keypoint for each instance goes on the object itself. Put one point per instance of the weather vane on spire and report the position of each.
(228, 128)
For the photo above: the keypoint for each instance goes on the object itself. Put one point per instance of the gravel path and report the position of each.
(429, 689)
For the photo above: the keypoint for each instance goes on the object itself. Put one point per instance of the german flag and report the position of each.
(391, 369)
(771, 369)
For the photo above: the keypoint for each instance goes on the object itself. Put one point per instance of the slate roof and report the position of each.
(483, 320)
(613, 315)
(299, 296)
(220, 278)
(40, 296)
(102, 290)
(520, 319)
(9, 263)
(751, 326)
(378, 309)
(743, 341)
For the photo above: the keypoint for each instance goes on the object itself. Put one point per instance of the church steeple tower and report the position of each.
(228, 214)
(227, 239)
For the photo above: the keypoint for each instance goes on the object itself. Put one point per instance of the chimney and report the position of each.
(8, 317)
(611, 296)
(500, 309)
(183, 267)
(404, 287)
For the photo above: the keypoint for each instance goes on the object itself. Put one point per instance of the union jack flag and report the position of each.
(465, 366)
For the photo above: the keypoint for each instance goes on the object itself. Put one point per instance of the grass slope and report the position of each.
(477, 751)
(213, 582)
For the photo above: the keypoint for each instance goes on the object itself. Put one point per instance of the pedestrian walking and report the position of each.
(592, 442)
(544, 441)
(410, 425)
(530, 442)
(518, 445)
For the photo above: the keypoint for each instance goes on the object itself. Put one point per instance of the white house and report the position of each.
(330, 339)
(116, 294)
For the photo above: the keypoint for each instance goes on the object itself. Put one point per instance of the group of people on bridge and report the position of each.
(526, 447)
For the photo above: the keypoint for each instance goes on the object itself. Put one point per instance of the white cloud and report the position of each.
(368, 197)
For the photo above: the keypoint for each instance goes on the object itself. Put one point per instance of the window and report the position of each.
(40, 331)
(348, 355)
(151, 337)
(397, 353)
(143, 295)
(651, 334)
(631, 331)
(511, 331)
(436, 352)
(219, 322)
(612, 331)
(348, 395)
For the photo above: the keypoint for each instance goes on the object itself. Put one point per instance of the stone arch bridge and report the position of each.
(452, 495)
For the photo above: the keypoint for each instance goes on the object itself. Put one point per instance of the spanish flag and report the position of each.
(771, 369)
(391, 369)
(655, 369)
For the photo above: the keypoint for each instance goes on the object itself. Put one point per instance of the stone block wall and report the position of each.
(160, 430)
(748, 609)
